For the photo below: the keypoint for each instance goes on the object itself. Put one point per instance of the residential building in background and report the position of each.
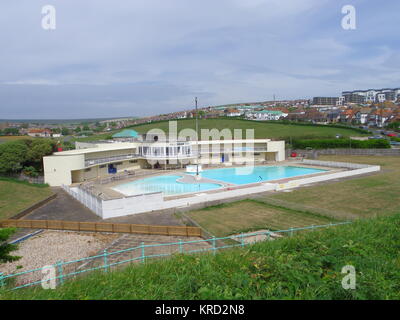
(324, 101)
(372, 95)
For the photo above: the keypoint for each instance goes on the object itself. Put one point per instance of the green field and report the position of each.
(17, 196)
(249, 215)
(13, 138)
(364, 197)
(261, 129)
(305, 266)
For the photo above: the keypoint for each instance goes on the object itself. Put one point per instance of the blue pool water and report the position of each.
(248, 175)
(239, 176)
(165, 184)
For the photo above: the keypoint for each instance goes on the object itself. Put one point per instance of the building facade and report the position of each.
(92, 161)
(372, 95)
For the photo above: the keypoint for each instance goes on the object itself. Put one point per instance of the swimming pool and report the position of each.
(246, 175)
(168, 185)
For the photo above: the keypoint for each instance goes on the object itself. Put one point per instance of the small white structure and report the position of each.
(193, 168)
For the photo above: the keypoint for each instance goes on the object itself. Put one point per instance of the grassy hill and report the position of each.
(16, 196)
(306, 266)
(262, 129)
(364, 197)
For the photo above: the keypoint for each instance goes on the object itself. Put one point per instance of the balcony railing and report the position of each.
(92, 162)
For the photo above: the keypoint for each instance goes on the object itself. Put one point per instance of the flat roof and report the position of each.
(101, 147)
(98, 148)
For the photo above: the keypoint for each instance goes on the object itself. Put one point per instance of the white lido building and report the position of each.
(90, 161)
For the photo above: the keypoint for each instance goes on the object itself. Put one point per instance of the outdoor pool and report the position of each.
(169, 185)
(165, 184)
(246, 175)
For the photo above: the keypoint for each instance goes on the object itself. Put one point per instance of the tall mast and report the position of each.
(197, 140)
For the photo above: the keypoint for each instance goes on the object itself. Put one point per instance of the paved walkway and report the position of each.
(63, 207)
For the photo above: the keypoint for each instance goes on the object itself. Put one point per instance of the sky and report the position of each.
(138, 58)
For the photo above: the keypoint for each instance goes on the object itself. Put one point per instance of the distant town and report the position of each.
(376, 108)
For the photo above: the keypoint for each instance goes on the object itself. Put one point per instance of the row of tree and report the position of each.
(25, 156)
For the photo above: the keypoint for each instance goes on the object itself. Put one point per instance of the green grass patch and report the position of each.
(16, 196)
(262, 129)
(250, 215)
(363, 197)
(305, 266)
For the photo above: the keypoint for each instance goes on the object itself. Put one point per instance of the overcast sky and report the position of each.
(135, 58)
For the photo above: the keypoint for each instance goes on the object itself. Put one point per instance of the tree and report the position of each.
(11, 131)
(6, 248)
(39, 148)
(86, 128)
(78, 129)
(12, 156)
(64, 131)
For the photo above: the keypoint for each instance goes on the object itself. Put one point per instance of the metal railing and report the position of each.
(91, 162)
(140, 254)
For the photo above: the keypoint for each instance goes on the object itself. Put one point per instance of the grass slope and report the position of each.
(306, 266)
(368, 196)
(16, 196)
(248, 215)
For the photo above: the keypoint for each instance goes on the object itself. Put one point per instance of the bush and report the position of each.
(341, 143)
(30, 172)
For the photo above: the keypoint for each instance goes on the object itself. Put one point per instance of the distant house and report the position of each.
(39, 133)
(266, 115)
(379, 118)
(362, 115)
(347, 116)
(232, 112)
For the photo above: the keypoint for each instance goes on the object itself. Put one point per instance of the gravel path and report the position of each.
(49, 247)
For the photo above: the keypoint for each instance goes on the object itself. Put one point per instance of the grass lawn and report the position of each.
(17, 196)
(13, 138)
(249, 215)
(262, 129)
(365, 197)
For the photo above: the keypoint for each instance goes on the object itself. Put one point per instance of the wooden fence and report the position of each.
(103, 227)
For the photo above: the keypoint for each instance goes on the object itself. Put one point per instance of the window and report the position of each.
(88, 169)
(133, 161)
(118, 164)
(102, 166)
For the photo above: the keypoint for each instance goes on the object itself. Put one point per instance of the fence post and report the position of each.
(105, 256)
(291, 232)
(60, 272)
(268, 236)
(214, 242)
(1, 279)
(242, 236)
(143, 256)
(180, 246)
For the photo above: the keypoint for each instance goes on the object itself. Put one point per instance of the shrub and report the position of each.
(341, 143)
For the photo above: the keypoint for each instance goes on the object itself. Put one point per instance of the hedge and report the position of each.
(341, 143)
